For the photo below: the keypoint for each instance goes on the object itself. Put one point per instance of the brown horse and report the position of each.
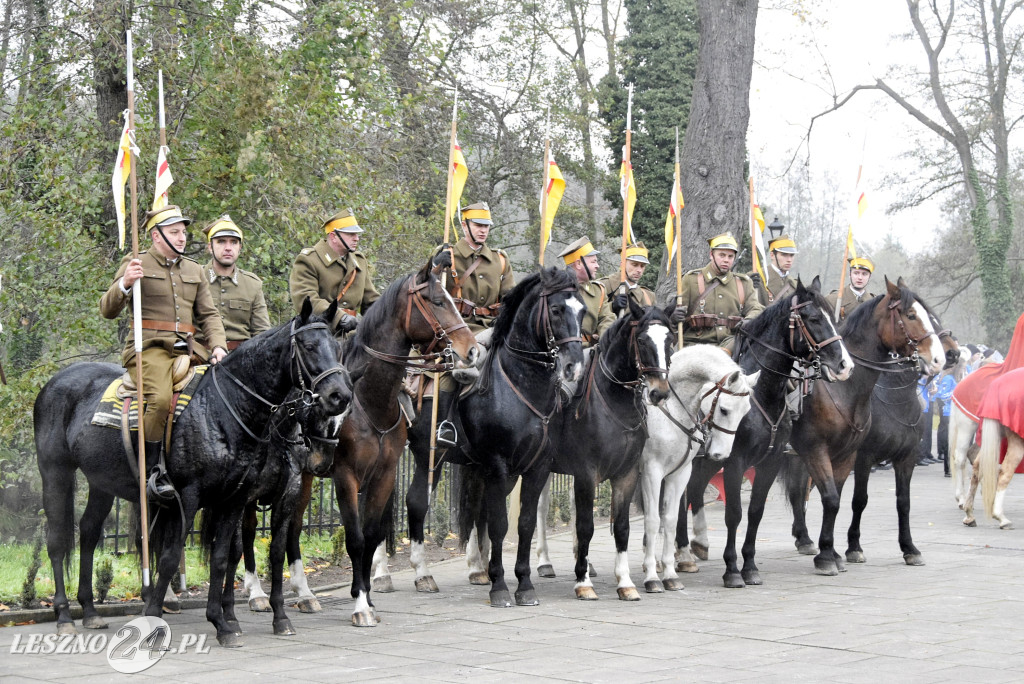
(882, 336)
(413, 311)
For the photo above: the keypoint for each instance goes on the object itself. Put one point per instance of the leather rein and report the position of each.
(895, 358)
(703, 423)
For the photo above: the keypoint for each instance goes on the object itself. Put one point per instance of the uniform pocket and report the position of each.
(240, 304)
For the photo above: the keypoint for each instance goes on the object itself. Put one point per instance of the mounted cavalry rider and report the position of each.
(780, 283)
(581, 258)
(856, 293)
(716, 301)
(237, 294)
(636, 262)
(332, 270)
(175, 299)
(480, 277)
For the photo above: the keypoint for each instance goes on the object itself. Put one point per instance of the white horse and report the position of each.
(963, 461)
(709, 397)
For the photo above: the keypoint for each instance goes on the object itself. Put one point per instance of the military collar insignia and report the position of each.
(213, 274)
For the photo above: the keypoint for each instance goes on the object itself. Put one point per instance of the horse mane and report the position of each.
(704, 358)
(377, 316)
(549, 279)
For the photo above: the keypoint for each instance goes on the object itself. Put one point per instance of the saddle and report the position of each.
(182, 372)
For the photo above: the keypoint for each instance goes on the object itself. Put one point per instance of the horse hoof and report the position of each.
(586, 593)
(856, 557)
(527, 597)
(426, 585)
(363, 620)
(672, 584)
(93, 622)
(283, 627)
(260, 604)
(687, 566)
(826, 567)
(383, 585)
(733, 580)
(479, 578)
(230, 640)
(970, 522)
(546, 570)
(654, 587)
(235, 627)
(628, 594)
(840, 564)
(699, 550)
(501, 599)
(1006, 525)
(66, 628)
(752, 578)
(308, 604)
(659, 567)
(807, 549)
(913, 559)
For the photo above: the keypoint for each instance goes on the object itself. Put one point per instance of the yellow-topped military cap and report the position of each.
(577, 250)
(863, 262)
(344, 222)
(637, 252)
(478, 213)
(783, 244)
(724, 241)
(222, 227)
(165, 217)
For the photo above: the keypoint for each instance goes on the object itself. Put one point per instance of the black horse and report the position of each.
(894, 436)
(793, 330)
(513, 413)
(603, 435)
(213, 460)
(881, 335)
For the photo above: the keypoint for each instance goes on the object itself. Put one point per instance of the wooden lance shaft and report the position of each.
(544, 200)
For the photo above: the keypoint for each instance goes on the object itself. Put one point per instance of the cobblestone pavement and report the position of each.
(955, 619)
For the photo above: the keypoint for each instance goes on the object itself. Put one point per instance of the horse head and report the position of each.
(649, 348)
(905, 328)
(314, 359)
(949, 343)
(811, 316)
(432, 318)
(558, 317)
(307, 435)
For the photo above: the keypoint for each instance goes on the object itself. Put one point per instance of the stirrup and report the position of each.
(159, 484)
(447, 435)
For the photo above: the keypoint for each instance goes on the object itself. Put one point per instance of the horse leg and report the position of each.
(417, 504)
(307, 600)
(225, 524)
(58, 502)
(904, 470)
(280, 523)
(764, 478)
(825, 563)
(651, 487)
(90, 531)
(378, 501)
(497, 527)
(1014, 454)
(533, 483)
(347, 491)
(673, 496)
(798, 505)
(732, 479)
(968, 505)
(623, 488)
(854, 552)
(544, 566)
(227, 599)
(258, 600)
(380, 572)
(961, 436)
(687, 551)
(584, 492)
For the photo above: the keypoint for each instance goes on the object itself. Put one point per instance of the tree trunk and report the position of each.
(5, 41)
(109, 24)
(714, 147)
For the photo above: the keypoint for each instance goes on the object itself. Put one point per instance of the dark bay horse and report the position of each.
(415, 310)
(882, 335)
(795, 330)
(513, 413)
(603, 435)
(213, 461)
(893, 435)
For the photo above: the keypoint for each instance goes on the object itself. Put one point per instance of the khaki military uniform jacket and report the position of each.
(598, 316)
(640, 295)
(850, 300)
(778, 285)
(478, 296)
(239, 299)
(714, 321)
(319, 274)
(174, 294)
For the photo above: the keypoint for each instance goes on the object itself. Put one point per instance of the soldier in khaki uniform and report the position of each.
(715, 300)
(480, 276)
(780, 283)
(636, 263)
(237, 294)
(175, 299)
(856, 293)
(581, 258)
(331, 270)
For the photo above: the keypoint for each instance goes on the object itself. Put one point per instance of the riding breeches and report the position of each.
(156, 388)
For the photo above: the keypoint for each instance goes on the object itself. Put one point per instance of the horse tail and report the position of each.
(988, 457)
(470, 486)
(53, 454)
(795, 475)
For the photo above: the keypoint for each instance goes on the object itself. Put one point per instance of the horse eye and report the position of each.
(725, 412)
(309, 346)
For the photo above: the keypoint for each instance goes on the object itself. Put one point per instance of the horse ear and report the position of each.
(332, 312)
(734, 377)
(800, 287)
(892, 288)
(306, 310)
(635, 309)
(816, 284)
(752, 379)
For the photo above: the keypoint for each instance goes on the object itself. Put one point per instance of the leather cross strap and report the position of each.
(348, 284)
(465, 274)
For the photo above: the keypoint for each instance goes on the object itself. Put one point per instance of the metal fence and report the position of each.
(322, 515)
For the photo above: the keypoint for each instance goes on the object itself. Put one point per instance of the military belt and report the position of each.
(167, 326)
(234, 344)
(709, 321)
(466, 308)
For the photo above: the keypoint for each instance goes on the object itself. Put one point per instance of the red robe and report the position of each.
(969, 392)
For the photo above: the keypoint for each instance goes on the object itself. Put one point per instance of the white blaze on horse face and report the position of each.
(937, 357)
(846, 361)
(576, 306)
(659, 336)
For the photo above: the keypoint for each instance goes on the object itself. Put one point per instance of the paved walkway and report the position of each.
(955, 619)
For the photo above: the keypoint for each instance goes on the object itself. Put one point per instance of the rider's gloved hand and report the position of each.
(347, 323)
(442, 259)
(678, 315)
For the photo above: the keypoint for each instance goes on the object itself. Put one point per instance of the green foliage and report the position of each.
(339, 555)
(104, 577)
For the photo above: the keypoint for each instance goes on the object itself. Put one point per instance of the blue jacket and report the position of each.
(945, 393)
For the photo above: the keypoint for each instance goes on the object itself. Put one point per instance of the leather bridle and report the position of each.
(543, 330)
(796, 326)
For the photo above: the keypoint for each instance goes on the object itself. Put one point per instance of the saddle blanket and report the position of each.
(1004, 401)
(111, 408)
(969, 392)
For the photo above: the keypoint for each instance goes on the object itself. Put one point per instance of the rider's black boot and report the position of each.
(159, 484)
